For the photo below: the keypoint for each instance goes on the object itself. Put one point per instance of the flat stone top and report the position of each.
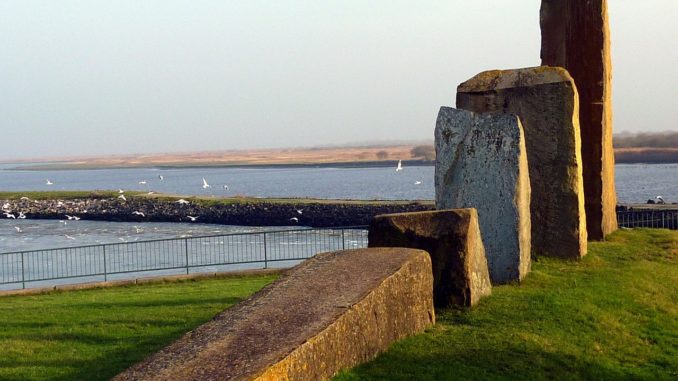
(430, 223)
(244, 340)
(505, 79)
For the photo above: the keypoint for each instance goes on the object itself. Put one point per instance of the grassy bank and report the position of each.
(95, 334)
(614, 315)
(202, 200)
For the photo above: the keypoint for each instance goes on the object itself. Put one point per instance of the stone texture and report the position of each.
(545, 99)
(452, 238)
(481, 163)
(576, 35)
(333, 311)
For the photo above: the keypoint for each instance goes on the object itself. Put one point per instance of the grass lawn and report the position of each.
(94, 334)
(613, 315)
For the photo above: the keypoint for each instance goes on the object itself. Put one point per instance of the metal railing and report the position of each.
(662, 219)
(171, 256)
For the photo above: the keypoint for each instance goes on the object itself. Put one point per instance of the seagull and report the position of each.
(225, 187)
(138, 213)
(417, 182)
(400, 166)
(299, 211)
(121, 191)
(5, 205)
(659, 200)
(122, 197)
(295, 219)
(25, 199)
(161, 177)
(10, 215)
(122, 239)
(72, 217)
(151, 192)
(204, 184)
(142, 182)
(22, 216)
(49, 182)
(18, 229)
(182, 201)
(68, 236)
(193, 218)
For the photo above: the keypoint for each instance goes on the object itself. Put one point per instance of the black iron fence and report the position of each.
(663, 219)
(281, 248)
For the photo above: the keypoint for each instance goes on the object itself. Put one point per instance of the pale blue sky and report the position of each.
(106, 77)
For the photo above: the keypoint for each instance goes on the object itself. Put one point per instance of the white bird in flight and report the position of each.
(204, 184)
(225, 187)
(193, 218)
(18, 229)
(161, 177)
(300, 211)
(49, 182)
(22, 216)
(417, 182)
(76, 218)
(660, 200)
(182, 201)
(294, 219)
(142, 182)
(25, 199)
(68, 236)
(121, 191)
(122, 197)
(10, 215)
(400, 166)
(138, 213)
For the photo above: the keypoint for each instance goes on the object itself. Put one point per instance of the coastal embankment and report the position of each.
(107, 206)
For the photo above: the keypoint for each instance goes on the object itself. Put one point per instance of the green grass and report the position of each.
(613, 315)
(201, 200)
(62, 195)
(94, 334)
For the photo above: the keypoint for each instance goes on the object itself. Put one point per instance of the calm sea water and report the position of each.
(636, 183)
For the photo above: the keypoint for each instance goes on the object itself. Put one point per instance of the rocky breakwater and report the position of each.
(247, 212)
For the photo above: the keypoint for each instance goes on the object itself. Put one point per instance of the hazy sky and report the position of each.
(102, 77)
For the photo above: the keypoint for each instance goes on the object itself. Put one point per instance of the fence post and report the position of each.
(105, 271)
(265, 253)
(343, 239)
(23, 274)
(186, 250)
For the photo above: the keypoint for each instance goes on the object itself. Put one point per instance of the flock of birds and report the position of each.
(121, 196)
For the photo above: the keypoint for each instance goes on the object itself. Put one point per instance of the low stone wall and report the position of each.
(247, 213)
(333, 311)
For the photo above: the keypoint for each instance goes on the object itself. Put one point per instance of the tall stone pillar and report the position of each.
(545, 99)
(575, 34)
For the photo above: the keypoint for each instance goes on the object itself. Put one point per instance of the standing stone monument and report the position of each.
(576, 35)
(545, 99)
(481, 163)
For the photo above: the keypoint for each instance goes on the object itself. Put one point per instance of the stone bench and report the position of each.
(333, 311)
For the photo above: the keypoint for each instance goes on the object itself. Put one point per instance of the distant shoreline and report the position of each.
(346, 164)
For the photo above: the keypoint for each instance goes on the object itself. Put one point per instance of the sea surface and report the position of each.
(636, 183)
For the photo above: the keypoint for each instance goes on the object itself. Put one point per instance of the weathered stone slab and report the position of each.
(452, 238)
(576, 35)
(333, 311)
(481, 163)
(545, 99)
